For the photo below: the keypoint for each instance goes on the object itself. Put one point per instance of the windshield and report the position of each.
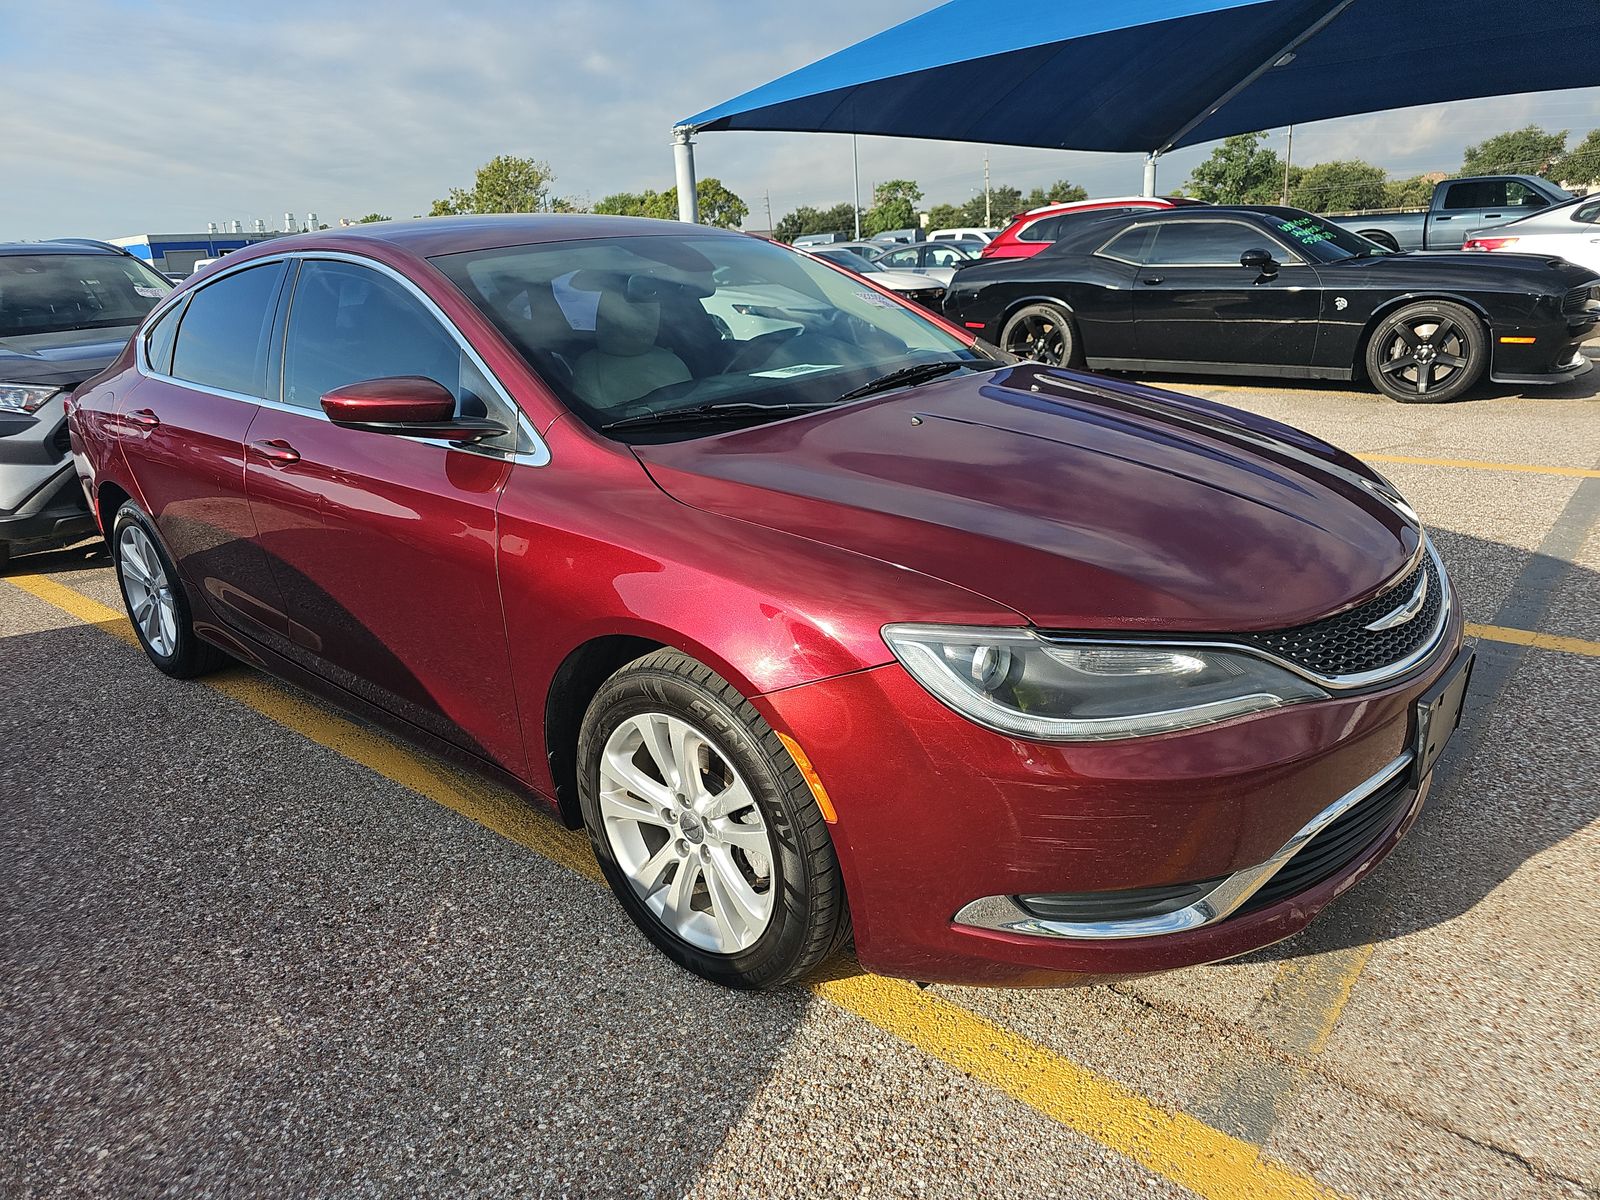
(53, 293)
(1322, 240)
(632, 326)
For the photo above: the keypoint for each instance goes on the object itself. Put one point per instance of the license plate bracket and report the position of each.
(1438, 714)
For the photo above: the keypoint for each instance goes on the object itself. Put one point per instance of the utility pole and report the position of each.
(768, 195)
(855, 168)
(1288, 158)
(988, 195)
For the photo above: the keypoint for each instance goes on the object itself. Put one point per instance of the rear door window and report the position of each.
(225, 330)
(1476, 193)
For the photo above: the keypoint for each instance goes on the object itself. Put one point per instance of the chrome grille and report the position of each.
(1343, 645)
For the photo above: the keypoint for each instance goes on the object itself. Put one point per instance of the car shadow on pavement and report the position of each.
(234, 960)
(84, 556)
(1517, 779)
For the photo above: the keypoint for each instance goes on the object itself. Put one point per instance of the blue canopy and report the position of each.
(1152, 75)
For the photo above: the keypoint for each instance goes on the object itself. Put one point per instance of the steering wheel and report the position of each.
(760, 348)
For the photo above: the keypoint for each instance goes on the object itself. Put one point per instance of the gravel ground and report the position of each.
(234, 962)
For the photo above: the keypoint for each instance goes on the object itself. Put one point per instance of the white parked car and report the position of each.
(1569, 230)
(936, 260)
(968, 233)
(919, 289)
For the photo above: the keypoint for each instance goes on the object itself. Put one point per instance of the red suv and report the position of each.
(817, 615)
(1037, 228)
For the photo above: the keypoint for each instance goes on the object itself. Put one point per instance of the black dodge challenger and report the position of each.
(1277, 291)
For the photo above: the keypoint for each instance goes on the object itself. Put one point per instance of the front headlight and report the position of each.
(24, 397)
(1015, 682)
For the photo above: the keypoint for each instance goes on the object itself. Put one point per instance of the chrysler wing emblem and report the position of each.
(1406, 611)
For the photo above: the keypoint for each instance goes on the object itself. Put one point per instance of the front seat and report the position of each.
(626, 363)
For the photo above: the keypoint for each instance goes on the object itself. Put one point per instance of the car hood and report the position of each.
(65, 359)
(1464, 268)
(1076, 502)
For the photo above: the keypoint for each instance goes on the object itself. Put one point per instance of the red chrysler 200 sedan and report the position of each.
(819, 616)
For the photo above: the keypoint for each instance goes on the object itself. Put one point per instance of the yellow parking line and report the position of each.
(1539, 641)
(1472, 464)
(1171, 1144)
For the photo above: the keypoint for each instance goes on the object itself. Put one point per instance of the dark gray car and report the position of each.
(66, 309)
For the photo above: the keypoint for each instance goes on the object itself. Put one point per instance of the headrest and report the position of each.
(625, 328)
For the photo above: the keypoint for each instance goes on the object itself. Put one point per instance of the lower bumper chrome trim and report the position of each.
(1004, 914)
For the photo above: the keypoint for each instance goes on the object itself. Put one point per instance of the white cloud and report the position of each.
(122, 117)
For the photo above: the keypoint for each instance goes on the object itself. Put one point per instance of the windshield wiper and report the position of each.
(904, 377)
(714, 412)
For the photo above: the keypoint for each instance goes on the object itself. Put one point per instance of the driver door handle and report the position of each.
(142, 418)
(276, 450)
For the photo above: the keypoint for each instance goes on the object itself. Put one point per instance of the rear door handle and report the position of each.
(142, 419)
(1152, 280)
(276, 450)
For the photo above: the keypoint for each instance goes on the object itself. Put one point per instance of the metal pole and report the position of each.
(988, 195)
(1150, 172)
(1288, 157)
(855, 167)
(683, 156)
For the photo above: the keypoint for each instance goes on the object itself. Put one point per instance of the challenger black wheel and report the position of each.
(1427, 353)
(705, 828)
(154, 598)
(1043, 333)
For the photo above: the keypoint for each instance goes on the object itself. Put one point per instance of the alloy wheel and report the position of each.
(150, 601)
(1426, 355)
(1039, 336)
(686, 830)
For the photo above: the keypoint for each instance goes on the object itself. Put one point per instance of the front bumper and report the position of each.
(937, 818)
(1545, 352)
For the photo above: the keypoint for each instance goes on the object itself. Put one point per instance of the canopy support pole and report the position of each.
(1150, 172)
(683, 158)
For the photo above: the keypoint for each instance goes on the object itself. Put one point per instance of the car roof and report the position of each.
(60, 246)
(428, 236)
(1096, 229)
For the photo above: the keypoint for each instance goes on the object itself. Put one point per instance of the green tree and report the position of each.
(1339, 186)
(371, 218)
(1413, 192)
(505, 184)
(894, 206)
(944, 216)
(1582, 163)
(1240, 171)
(841, 218)
(1062, 191)
(1526, 151)
(718, 206)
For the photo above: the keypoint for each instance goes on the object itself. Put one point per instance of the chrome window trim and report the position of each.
(1004, 914)
(1337, 683)
(538, 456)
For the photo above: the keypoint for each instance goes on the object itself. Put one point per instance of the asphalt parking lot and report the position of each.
(251, 947)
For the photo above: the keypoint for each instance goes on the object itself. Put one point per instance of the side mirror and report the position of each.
(408, 405)
(1260, 261)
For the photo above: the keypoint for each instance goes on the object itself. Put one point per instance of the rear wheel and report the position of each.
(1043, 333)
(705, 828)
(155, 601)
(1427, 353)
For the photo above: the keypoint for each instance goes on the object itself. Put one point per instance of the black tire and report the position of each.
(187, 656)
(1383, 238)
(1043, 333)
(1427, 353)
(809, 919)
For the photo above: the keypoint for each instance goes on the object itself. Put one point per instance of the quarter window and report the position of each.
(225, 330)
(1209, 244)
(162, 337)
(1043, 230)
(1589, 213)
(1133, 245)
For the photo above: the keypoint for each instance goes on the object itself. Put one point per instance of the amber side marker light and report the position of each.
(1517, 341)
(813, 780)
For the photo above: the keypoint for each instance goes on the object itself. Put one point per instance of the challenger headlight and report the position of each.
(25, 397)
(1015, 682)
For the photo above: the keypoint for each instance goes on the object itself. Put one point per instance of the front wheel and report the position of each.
(1043, 333)
(1427, 353)
(705, 828)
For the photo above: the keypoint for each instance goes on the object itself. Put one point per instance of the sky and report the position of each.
(128, 116)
